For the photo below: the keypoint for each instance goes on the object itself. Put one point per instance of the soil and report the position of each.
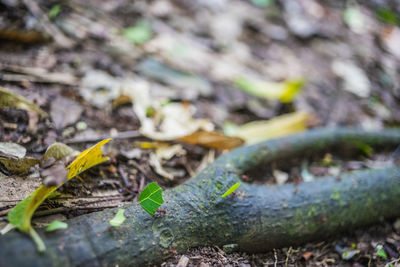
(351, 78)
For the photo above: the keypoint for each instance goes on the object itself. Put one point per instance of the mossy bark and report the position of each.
(258, 218)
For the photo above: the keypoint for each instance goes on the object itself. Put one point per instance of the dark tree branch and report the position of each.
(258, 218)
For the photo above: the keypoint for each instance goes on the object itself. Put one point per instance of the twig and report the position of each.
(183, 261)
(120, 135)
(289, 252)
(33, 74)
(58, 36)
(63, 209)
(124, 177)
(140, 168)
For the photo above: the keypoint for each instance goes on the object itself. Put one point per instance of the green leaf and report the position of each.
(118, 219)
(140, 33)
(55, 225)
(349, 253)
(380, 252)
(388, 16)
(151, 198)
(354, 19)
(364, 148)
(230, 190)
(261, 3)
(54, 11)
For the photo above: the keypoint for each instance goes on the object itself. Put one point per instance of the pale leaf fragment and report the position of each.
(283, 125)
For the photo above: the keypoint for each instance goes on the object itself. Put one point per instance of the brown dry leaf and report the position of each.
(121, 100)
(307, 255)
(23, 36)
(212, 140)
(390, 37)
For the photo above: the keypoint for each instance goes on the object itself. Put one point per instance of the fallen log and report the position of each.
(257, 219)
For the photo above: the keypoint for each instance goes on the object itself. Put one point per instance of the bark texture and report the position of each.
(258, 218)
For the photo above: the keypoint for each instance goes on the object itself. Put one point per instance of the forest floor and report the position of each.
(76, 60)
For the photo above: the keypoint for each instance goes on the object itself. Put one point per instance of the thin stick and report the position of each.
(120, 135)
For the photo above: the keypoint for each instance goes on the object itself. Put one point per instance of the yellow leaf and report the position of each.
(20, 216)
(283, 91)
(150, 145)
(87, 159)
(258, 131)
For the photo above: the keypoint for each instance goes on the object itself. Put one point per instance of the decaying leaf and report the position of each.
(162, 151)
(64, 112)
(212, 140)
(155, 162)
(12, 156)
(167, 121)
(151, 198)
(18, 166)
(280, 176)
(100, 88)
(140, 33)
(231, 190)
(12, 149)
(258, 131)
(56, 225)
(118, 219)
(58, 151)
(284, 91)
(9, 99)
(355, 80)
(168, 152)
(20, 216)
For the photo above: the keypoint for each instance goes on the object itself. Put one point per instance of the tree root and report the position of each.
(257, 219)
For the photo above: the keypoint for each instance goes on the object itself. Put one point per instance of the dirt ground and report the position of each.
(72, 58)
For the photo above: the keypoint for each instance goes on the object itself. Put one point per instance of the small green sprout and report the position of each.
(56, 225)
(54, 11)
(118, 219)
(231, 190)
